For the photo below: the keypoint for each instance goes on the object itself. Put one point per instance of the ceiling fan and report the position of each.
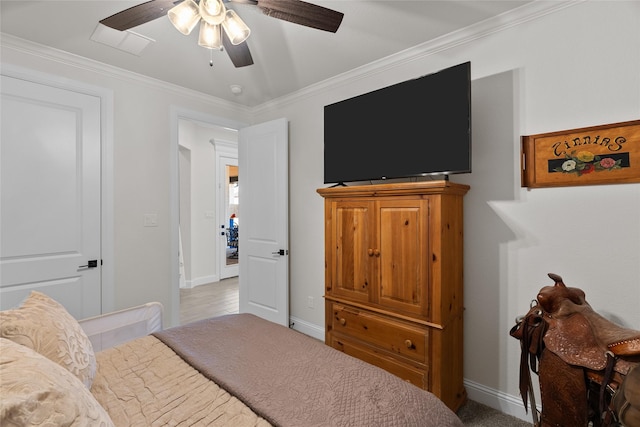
(217, 23)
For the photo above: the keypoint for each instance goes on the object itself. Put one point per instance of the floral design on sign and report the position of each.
(586, 162)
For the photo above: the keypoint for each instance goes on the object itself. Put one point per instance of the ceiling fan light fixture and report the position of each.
(236, 29)
(184, 16)
(210, 36)
(212, 11)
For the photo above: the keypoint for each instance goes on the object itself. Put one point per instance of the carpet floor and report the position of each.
(475, 414)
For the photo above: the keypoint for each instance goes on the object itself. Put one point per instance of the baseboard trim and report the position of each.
(306, 328)
(503, 402)
(201, 281)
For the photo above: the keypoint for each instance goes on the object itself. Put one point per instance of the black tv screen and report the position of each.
(415, 128)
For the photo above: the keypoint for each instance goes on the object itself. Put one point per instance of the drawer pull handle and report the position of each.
(343, 321)
(408, 343)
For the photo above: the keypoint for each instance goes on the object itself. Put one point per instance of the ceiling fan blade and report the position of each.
(303, 13)
(239, 53)
(140, 14)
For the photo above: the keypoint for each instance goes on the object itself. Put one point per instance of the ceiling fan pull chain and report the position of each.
(211, 57)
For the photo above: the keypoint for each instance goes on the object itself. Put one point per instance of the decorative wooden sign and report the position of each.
(608, 154)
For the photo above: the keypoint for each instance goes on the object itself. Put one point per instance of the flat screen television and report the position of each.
(415, 128)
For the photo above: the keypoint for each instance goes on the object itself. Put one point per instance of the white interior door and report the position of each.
(50, 196)
(264, 229)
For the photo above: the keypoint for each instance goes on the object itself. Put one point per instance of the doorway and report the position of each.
(209, 203)
(228, 201)
(178, 116)
(272, 139)
(233, 205)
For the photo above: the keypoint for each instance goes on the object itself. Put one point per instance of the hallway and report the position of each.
(210, 300)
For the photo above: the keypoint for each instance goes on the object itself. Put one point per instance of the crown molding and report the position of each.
(526, 13)
(8, 41)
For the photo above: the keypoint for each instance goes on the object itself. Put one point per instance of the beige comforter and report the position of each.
(144, 383)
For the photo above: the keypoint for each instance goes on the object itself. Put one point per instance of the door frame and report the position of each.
(106, 160)
(177, 113)
(225, 151)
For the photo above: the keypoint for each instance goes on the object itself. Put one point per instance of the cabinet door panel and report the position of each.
(351, 232)
(403, 255)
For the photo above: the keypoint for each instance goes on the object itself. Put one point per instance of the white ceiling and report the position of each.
(287, 56)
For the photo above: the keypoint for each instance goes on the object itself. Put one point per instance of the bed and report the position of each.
(123, 369)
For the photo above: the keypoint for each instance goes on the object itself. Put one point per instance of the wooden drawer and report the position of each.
(393, 336)
(408, 373)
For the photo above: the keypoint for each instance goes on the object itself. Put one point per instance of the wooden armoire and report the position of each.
(394, 285)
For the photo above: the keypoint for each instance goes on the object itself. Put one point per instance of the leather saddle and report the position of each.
(579, 335)
(578, 347)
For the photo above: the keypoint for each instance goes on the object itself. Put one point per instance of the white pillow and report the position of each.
(45, 326)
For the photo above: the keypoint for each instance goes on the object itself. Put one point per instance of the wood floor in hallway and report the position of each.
(210, 300)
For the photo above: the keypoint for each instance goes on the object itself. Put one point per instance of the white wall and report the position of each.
(578, 66)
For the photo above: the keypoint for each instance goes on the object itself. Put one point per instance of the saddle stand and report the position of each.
(586, 364)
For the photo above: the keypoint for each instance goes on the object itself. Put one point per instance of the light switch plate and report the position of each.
(150, 220)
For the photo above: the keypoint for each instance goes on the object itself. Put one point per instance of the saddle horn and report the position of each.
(556, 278)
(550, 297)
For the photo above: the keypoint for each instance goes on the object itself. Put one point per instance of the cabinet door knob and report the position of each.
(370, 252)
(376, 252)
(408, 343)
(343, 321)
